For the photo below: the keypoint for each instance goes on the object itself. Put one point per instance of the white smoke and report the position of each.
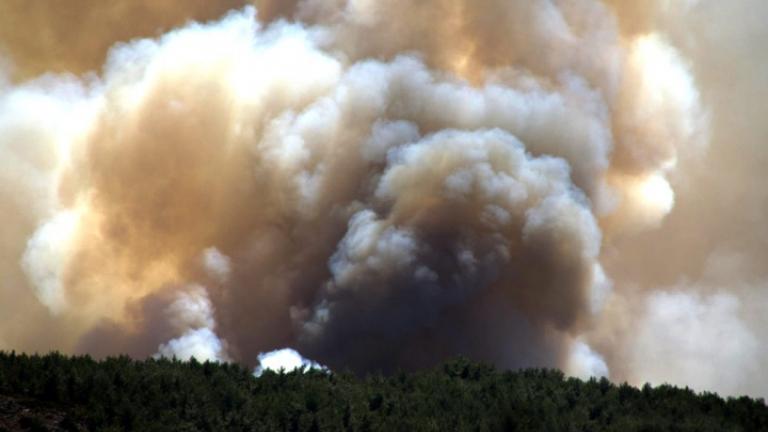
(201, 344)
(585, 362)
(191, 315)
(285, 360)
(700, 341)
(46, 259)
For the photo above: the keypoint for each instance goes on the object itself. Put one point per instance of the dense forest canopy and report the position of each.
(120, 393)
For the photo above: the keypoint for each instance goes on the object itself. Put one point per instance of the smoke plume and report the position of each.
(382, 185)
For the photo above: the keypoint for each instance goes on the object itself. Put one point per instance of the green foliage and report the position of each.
(159, 395)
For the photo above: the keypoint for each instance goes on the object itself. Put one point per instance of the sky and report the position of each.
(387, 184)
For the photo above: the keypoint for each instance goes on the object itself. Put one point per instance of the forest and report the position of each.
(58, 392)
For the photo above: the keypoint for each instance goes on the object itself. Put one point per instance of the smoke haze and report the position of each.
(382, 185)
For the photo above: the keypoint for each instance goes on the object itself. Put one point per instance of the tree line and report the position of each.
(121, 393)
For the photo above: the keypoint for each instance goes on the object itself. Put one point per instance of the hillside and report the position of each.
(55, 392)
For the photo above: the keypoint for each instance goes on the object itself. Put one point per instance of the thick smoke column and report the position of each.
(373, 184)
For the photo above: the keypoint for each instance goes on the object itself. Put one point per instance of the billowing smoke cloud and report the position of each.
(374, 184)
